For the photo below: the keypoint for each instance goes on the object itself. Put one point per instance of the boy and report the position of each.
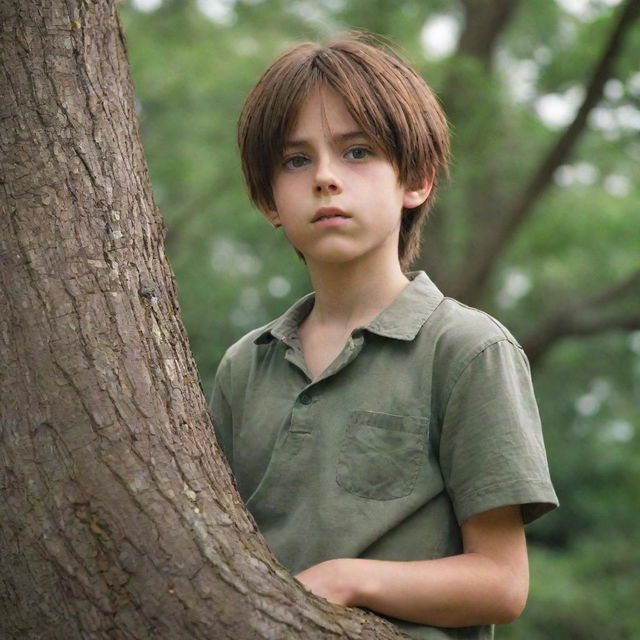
(385, 438)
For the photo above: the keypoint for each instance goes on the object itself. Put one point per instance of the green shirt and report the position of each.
(425, 418)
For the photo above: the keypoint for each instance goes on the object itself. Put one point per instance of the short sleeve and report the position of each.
(491, 447)
(221, 410)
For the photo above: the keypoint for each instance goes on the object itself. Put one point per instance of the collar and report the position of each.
(401, 320)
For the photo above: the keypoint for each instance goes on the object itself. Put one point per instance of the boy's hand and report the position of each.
(332, 580)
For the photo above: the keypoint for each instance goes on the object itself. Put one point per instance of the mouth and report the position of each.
(327, 213)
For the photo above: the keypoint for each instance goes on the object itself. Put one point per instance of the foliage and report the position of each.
(234, 272)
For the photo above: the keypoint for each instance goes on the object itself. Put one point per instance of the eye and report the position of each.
(295, 162)
(358, 153)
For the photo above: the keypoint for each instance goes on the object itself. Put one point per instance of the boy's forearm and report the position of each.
(487, 584)
(463, 590)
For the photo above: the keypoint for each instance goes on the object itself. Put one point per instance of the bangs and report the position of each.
(389, 101)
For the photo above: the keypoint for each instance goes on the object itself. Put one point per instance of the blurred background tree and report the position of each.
(539, 226)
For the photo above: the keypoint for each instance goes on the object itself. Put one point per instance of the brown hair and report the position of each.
(383, 94)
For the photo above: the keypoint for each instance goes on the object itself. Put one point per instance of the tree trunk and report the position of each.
(484, 22)
(118, 518)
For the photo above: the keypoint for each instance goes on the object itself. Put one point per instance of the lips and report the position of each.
(324, 213)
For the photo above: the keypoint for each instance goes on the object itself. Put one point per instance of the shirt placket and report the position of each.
(303, 410)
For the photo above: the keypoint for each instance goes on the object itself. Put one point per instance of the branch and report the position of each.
(582, 319)
(475, 272)
(618, 290)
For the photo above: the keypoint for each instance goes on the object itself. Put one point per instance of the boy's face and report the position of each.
(337, 196)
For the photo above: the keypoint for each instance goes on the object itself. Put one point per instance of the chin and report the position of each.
(333, 257)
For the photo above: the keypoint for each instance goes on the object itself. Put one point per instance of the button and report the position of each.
(305, 398)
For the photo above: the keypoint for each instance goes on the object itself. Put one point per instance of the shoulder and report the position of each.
(242, 353)
(257, 346)
(462, 333)
(238, 364)
(449, 323)
(467, 327)
(253, 343)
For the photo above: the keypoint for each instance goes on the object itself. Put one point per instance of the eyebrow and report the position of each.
(342, 137)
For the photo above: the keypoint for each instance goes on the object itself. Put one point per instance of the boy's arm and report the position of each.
(487, 584)
(220, 409)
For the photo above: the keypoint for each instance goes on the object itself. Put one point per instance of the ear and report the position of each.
(272, 216)
(415, 197)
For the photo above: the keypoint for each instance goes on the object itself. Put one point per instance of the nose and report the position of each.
(326, 179)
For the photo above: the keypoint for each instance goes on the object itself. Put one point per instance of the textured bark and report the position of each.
(118, 518)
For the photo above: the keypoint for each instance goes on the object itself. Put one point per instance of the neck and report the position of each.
(352, 294)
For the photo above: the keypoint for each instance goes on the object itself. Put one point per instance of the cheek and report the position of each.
(283, 188)
(385, 177)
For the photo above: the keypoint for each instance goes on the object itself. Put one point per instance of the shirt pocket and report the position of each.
(381, 453)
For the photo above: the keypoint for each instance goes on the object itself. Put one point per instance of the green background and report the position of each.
(192, 71)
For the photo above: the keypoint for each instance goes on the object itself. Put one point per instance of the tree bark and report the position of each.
(118, 517)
